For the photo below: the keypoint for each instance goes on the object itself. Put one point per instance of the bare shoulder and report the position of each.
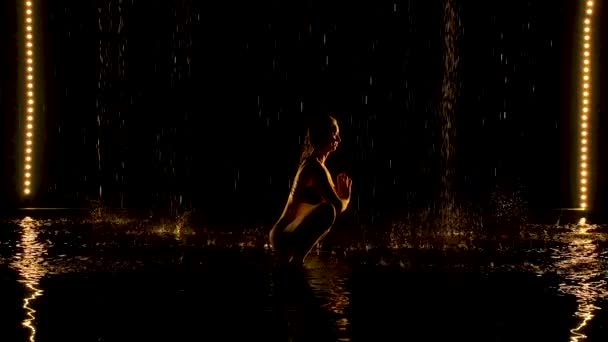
(314, 169)
(311, 166)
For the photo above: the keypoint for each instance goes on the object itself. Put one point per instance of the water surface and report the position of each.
(67, 279)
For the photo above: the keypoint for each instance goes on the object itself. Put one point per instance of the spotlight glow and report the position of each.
(28, 22)
(585, 116)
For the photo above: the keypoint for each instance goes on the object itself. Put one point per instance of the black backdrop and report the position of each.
(186, 104)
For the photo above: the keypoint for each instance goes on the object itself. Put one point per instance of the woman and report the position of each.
(314, 200)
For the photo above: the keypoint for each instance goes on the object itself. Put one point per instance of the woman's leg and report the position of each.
(313, 228)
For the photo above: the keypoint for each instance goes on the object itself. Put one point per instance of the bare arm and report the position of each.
(325, 184)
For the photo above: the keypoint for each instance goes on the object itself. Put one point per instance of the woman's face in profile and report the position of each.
(334, 138)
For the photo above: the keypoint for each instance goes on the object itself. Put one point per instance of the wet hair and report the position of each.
(318, 134)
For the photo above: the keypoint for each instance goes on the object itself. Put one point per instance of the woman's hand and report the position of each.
(343, 186)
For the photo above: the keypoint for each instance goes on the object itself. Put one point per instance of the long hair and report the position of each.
(317, 134)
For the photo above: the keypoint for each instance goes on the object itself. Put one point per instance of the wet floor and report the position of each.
(69, 280)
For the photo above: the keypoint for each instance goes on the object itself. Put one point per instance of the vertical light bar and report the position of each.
(29, 97)
(585, 113)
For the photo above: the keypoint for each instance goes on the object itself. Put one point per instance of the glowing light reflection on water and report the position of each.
(579, 262)
(328, 280)
(30, 265)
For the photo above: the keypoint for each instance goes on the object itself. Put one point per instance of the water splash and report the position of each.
(451, 25)
(111, 21)
(31, 269)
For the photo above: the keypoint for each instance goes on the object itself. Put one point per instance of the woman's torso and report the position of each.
(303, 198)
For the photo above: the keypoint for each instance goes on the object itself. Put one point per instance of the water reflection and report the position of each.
(580, 265)
(312, 301)
(328, 281)
(29, 264)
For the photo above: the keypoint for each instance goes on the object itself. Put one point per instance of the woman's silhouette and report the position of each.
(314, 200)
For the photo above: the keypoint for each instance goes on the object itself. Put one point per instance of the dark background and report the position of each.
(180, 105)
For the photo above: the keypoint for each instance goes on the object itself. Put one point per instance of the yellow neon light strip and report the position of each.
(584, 171)
(29, 98)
